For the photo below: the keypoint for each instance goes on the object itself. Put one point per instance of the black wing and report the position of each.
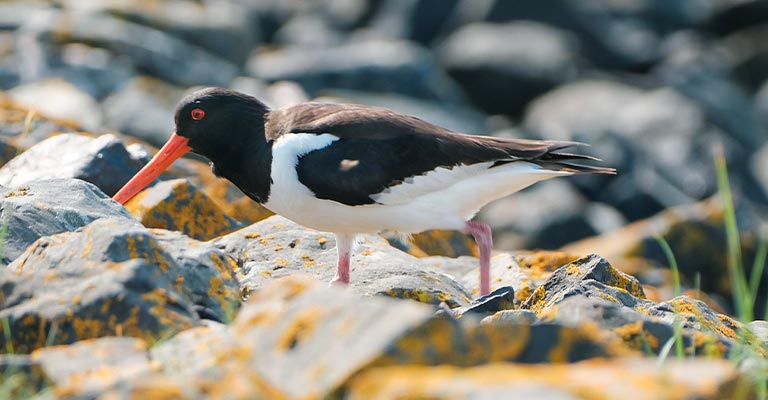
(378, 148)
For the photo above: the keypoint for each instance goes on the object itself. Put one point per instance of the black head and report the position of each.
(217, 121)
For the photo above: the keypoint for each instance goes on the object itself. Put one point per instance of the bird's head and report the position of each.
(210, 122)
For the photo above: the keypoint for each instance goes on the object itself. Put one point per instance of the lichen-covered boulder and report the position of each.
(566, 280)
(279, 343)
(204, 276)
(103, 161)
(89, 300)
(48, 207)
(615, 379)
(89, 367)
(278, 247)
(177, 205)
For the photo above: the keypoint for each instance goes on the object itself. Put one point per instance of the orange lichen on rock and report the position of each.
(179, 206)
(636, 337)
(446, 243)
(540, 264)
(599, 379)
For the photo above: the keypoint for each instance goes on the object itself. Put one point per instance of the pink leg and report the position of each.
(344, 248)
(484, 239)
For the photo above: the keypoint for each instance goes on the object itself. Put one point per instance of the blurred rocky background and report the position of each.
(658, 88)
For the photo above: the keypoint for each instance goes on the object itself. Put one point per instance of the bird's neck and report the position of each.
(247, 165)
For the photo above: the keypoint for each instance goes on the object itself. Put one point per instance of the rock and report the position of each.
(308, 30)
(697, 238)
(613, 35)
(143, 108)
(102, 161)
(7, 151)
(511, 316)
(623, 378)
(48, 207)
(88, 367)
(89, 300)
(24, 127)
(500, 299)
(201, 274)
(664, 166)
(700, 74)
(224, 193)
(433, 243)
(285, 325)
(59, 99)
(422, 21)
(144, 48)
(530, 58)
(370, 65)
(696, 315)
(222, 28)
(522, 271)
(23, 377)
(277, 247)
(176, 205)
(563, 281)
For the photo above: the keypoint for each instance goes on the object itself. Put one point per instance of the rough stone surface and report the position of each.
(530, 58)
(89, 300)
(141, 108)
(379, 66)
(585, 270)
(88, 367)
(627, 378)
(278, 247)
(48, 207)
(697, 237)
(200, 273)
(178, 206)
(103, 161)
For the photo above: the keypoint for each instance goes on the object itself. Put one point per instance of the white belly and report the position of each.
(441, 199)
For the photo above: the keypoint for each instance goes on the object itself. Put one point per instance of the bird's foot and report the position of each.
(339, 280)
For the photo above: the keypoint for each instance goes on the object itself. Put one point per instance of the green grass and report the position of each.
(744, 292)
(677, 325)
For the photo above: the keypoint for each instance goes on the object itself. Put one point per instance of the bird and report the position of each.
(351, 169)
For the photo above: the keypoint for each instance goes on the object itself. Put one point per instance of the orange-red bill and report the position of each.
(174, 148)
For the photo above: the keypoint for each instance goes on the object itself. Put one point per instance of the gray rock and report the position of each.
(57, 98)
(309, 30)
(202, 275)
(286, 324)
(145, 48)
(529, 58)
(422, 21)
(143, 108)
(581, 275)
(368, 65)
(102, 161)
(222, 28)
(621, 121)
(48, 207)
(88, 300)
(500, 299)
(613, 34)
(87, 368)
(277, 247)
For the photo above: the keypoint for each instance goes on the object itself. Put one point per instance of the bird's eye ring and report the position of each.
(197, 114)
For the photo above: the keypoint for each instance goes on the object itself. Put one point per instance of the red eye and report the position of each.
(197, 114)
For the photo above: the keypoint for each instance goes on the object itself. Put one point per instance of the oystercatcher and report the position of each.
(350, 169)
